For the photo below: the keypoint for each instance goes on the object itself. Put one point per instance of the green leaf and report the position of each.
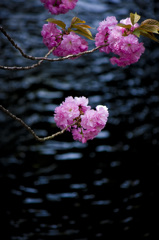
(134, 18)
(150, 22)
(150, 25)
(76, 20)
(58, 22)
(84, 25)
(149, 28)
(83, 33)
(149, 35)
(80, 25)
(136, 32)
(81, 28)
(128, 26)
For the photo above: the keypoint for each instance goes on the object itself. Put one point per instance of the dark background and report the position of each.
(62, 189)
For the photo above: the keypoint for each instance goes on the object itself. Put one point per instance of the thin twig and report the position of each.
(29, 128)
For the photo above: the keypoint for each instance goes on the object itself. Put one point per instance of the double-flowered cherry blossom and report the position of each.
(71, 44)
(119, 40)
(65, 43)
(51, 35)
(83, 122)
(59, 6)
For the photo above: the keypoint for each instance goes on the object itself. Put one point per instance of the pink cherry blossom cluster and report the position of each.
(119, 41)
(83, 122)
(51, 35)
(71, 43)
(59, 6)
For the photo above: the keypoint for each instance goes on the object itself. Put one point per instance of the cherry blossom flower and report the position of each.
(120, 41)
(104, 31)
(71, 44)
(59, 6)
(65, 43)
(51, 35)
(127, 48)
(83, 122)
(66, 113)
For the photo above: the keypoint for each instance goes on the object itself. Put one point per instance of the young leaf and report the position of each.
(149, 28)
(58, 22)
(83, 25)
(76, 20)
(150, 22)
(136, 32)
(149, 35)
(134, 18)
(83, 33)
(128, 26)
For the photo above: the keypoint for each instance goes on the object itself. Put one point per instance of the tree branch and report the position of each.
(29, 128)
(40, 59)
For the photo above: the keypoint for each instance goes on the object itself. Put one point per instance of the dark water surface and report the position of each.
(61, 189)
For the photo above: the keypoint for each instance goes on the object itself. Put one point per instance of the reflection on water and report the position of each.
(61, 189)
